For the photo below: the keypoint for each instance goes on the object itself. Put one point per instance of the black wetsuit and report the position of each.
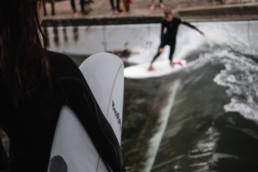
(168, 35)
(31, 126)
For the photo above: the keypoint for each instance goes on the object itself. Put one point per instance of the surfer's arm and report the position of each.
(81, 100)
(192, 26)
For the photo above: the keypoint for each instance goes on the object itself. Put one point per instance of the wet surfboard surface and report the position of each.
(160, 68)
(72, 149)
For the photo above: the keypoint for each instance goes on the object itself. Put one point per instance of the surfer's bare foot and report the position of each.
(172, 64)
(150, 68)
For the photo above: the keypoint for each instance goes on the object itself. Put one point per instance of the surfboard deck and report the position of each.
(161, 68)
(72, 149)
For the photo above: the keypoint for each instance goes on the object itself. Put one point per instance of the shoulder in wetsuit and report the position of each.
(31, 126)
(169, 30)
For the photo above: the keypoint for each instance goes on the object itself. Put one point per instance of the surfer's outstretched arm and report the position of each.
(81, 100)
(192, 26)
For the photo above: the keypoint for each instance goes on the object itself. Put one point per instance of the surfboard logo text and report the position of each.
(117, 115)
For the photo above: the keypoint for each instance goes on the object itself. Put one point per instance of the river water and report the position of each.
(201, 118)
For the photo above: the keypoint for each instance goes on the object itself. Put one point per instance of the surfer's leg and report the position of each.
(171, 53)
(160, 51)
(150, 68)
(155, 57)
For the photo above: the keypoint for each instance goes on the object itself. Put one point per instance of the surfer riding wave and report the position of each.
(169, 28)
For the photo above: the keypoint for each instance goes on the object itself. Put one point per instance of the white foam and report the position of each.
(217, 156)
(240, 77)
(163, 120)
(247, 109)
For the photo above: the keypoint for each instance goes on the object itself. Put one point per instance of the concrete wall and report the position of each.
(143, 39)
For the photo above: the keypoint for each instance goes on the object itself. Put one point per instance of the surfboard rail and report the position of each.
(161, 68)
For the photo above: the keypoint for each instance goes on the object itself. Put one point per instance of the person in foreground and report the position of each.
(169, 28)
(34, 85)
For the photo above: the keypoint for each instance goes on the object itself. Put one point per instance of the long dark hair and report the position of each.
(23, 58)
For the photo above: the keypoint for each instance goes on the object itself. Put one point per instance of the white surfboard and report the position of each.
(161, 68)
(72, 149)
